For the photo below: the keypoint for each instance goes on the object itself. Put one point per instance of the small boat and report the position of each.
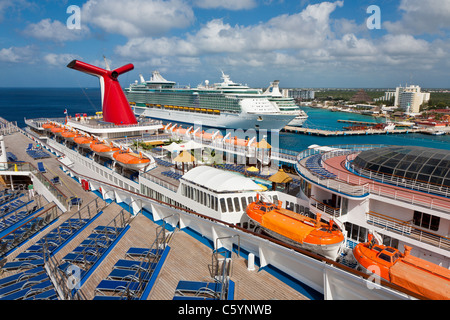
(131, 160)
(314, 235)
(103, 149)
(70, 135)
(417, 275)
(57, 130)
(84, 141)
(48, 126)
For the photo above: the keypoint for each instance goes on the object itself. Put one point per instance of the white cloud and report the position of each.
(226, 4)
(56, 31)
(136, 18)
(18, 54)
(59, 60)
(421, 17)
(307, 29)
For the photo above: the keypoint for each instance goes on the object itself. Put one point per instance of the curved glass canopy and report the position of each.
(420, 164)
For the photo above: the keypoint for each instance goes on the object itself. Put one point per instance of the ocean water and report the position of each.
(19, 103)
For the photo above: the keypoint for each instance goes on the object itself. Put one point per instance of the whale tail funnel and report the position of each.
(116, 108)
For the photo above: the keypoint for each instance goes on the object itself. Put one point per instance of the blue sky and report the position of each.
(302, 43)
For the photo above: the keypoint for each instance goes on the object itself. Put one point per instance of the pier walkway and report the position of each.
(330, 133)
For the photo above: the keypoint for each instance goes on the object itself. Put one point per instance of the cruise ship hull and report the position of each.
(243, 121)
(297, 122)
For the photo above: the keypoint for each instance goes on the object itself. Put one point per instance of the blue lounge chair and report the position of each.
(129, 275)
(198, 287)
(133, 265)
(46, 295)
(28, 292)
(41, 167)
(25, 264)
(55, 180)
(23, 284)
(117, 286)
(21, 276)
(142, 252)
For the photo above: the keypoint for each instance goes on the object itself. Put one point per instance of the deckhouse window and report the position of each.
(222, 205)
(425, 220)
(244, 203)
(236, 204)
(230, 205)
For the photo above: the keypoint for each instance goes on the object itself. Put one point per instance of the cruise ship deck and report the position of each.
(189, 259)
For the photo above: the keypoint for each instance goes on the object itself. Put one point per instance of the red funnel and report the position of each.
(116, 108)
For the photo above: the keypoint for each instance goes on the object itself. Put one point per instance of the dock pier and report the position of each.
(329, 133)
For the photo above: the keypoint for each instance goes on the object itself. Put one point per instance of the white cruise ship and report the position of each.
(286, 105)
(225, 105)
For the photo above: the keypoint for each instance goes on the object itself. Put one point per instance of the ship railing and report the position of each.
(335, 212)
(7, 127)
(399, 181)
(407, 229)
(319, 149)
(58, 194)
(159, 181)
(332, 183)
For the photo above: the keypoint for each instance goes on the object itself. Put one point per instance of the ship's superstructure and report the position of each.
(286, 104)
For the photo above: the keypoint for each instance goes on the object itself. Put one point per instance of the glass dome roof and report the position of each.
(420, 164)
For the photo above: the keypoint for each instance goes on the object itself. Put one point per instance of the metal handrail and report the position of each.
(407, 229)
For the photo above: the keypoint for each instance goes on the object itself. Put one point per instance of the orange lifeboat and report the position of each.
(131, 160)
(314, 235)
(417, 275)
(70, 135)
(57, 130)
(48, 126)
(84, 141)
(103, 149)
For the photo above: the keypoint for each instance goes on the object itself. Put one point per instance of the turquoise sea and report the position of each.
(19, 103)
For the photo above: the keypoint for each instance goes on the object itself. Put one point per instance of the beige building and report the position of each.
(410, 98)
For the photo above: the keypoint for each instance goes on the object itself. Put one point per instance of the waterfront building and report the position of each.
(410, 97)
(301, 94)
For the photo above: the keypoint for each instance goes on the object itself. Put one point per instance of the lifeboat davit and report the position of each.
(84, 141)
(417, 275)
(131, 160)
(314, 235)
(103, 149)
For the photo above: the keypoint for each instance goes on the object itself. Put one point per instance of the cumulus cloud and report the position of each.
(227, 4)
(56, 31)
(419, 17)
(18, 54)
(60, 60)
(307, 29)
(136, 18)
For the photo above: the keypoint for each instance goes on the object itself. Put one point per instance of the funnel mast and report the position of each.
(116, 108)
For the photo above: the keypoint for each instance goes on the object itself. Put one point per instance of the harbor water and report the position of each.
(19, 103)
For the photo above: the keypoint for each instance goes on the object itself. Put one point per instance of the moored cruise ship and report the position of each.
(225, 105)
(286, 105)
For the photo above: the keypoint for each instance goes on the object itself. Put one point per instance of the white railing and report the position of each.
(159, 181)
(407, 229)
(400, 181)
(329, 183)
